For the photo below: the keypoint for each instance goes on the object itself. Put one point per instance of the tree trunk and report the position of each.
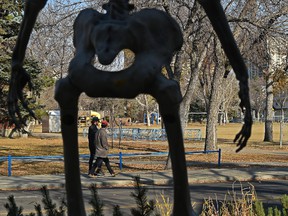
(187, 98)
(268, 136)
(212, 111)
(111, 118)
(281, 127)
(147, 110)
(257, 115)
(211, 134)
(226, 117)
(215, 98)
(168, 164)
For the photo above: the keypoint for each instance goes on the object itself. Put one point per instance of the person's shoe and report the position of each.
(99, 171)
(113, 175)
(99, 174)
(91, 175)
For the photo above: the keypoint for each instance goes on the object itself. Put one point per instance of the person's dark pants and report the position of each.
(92, 156)
(98, 165)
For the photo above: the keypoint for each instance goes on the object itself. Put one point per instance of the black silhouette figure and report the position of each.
(154, 37)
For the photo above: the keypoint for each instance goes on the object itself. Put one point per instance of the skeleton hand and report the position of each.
(19, 79)
(243, 136)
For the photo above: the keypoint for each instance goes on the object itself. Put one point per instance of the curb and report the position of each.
(147, 178)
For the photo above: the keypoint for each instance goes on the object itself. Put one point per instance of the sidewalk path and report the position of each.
(158, 178)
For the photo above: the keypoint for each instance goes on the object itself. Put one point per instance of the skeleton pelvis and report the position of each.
(109, 39)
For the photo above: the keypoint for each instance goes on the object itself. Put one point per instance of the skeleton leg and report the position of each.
(219, 22)
(167, 94)
(67, 97)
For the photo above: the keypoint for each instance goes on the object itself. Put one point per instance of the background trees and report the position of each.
(199, 67)
(265, 22)
(9, 25)
(10, 14)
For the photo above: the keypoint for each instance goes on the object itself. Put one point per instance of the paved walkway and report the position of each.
(265, 172)
(161, 178)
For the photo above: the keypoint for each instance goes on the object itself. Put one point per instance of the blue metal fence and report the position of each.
(149, 134)
(10, 158)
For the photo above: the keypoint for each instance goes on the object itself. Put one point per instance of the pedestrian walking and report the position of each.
(102, 150)
(91, 140)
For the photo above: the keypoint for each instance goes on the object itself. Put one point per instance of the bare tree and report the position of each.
(271, 15)
(229, 100)
(212, 81)
(281, 81)
(52, 40)
(251, 21)
(148, 104)
(258, 96)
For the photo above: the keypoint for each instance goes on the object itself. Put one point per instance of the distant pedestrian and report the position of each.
(91, 140)
(102, 149)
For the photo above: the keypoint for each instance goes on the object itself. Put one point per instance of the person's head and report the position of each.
(95, 120)
(104, 124)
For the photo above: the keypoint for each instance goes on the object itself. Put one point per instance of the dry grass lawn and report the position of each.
(257, 152)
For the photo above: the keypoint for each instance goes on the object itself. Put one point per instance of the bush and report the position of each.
(246, 204)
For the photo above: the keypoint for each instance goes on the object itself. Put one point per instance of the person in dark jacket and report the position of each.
(102, 149)
(91, 140)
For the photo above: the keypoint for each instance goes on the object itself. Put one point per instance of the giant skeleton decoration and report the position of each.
(154, 37)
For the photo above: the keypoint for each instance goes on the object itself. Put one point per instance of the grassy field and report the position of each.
(257, 151)
(226, 133)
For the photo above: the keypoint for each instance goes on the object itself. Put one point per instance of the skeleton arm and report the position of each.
(19, 77)
(219, 22)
